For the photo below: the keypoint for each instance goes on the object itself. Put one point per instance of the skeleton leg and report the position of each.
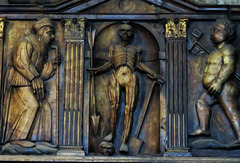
(114, 93)
(131, 92)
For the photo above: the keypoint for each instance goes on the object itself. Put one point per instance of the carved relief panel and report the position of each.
(213, 128)
(29, 114)
(106, 44)
(121, 78)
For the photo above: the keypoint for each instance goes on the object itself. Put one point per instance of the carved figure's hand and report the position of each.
(92, 71)
(56, 61)
(215, 87)
(38, 88)
(158, 78)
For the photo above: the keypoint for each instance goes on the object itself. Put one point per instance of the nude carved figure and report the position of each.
(219, 80)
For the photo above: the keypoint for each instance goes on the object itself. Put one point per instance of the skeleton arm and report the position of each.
(105, 66)
(142, 67)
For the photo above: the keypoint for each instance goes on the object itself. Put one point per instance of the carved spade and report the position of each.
(95, 120)
(136, 143)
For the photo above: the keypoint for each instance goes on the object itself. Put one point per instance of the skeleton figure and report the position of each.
(124, 58)
(218, 79)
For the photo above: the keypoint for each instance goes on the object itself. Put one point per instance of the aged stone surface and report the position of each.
(176, 28)
(74, 35)
(217, 2)
(120, 112)
(33, 1)
(117, 159)
(176, 34)
(26, 113)
(124, 58)
(219, 79)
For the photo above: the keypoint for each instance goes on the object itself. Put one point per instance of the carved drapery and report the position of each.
(74, 35)
(177, 86)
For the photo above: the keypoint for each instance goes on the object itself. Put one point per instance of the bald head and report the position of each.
(126, 32)
(125, 26)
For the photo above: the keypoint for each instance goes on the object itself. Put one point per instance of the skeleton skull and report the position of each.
(126, 32)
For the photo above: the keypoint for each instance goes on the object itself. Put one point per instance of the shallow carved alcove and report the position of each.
(149, 55)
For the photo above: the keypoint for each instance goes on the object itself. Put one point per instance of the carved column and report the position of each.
(2, 24)
(177, 88)
(72, 131)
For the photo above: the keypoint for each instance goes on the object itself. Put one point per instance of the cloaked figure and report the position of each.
(26, 113)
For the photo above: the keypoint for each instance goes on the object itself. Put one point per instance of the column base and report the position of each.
(177, 153)
(71, 151)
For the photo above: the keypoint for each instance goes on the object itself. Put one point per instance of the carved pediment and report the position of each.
(123, 6)
(129, 6)
(111, 7)
(34, 1)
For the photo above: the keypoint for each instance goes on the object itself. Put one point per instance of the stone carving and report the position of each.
(1, 27)
(194, 49)
(176, 28)
(74, 28)
(126, 5)
(219, 80)
(124, 59)
(26, 113)
(176, 44)
(74, 34)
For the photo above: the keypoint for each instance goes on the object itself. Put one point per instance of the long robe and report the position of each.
(24, 117)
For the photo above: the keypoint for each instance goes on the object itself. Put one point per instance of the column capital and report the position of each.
(74, 29)
(176, 28)
(2, 23)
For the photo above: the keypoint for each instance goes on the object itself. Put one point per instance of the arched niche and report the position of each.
(149, 42)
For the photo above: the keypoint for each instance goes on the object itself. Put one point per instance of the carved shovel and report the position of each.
(135, 142)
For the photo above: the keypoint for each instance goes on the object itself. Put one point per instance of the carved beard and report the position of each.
(45, 41)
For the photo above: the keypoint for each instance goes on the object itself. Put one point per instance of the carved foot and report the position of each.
(23, 143)
(200, 132)
(108, 138)
(124, 148)
(106, 148)
(45, 144)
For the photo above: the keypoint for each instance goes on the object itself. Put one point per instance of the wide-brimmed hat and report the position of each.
(43, 22)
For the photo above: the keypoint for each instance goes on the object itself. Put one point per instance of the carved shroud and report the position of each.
(17, 124)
